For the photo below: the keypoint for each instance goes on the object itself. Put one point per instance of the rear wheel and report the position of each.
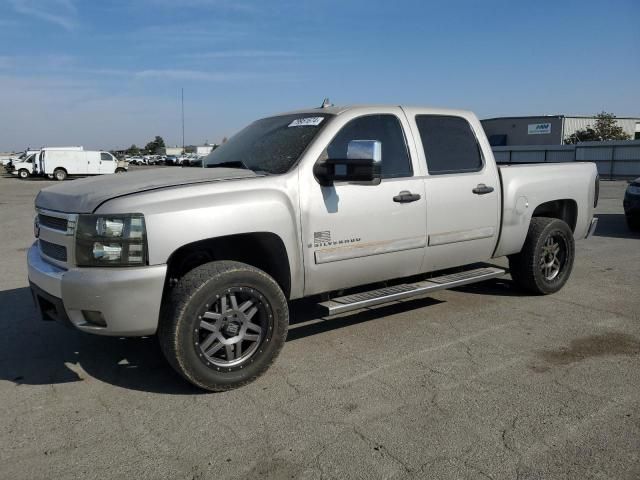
(224, 325)
(22, 173)
(60, 174)
(546, 260)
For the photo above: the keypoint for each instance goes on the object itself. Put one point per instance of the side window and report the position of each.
(449, 144)
(384, 128)
(105, 156)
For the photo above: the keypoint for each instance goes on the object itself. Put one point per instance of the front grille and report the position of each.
(54, 223)
(57, 252)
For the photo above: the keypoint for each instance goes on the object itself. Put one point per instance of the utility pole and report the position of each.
(182, 95)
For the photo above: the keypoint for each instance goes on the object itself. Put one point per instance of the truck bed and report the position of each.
(527, 186)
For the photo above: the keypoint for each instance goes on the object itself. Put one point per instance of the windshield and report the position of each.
(271, 145)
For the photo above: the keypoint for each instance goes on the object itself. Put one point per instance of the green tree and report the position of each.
(153, 146)
(605, 128)
(133, 150)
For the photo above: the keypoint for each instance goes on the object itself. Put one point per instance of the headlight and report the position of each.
(111, 240)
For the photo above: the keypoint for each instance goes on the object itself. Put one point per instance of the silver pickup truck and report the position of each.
(313, 202)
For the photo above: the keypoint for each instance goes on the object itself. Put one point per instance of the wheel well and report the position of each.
(566, 210)
(263, 250)
(60, 168)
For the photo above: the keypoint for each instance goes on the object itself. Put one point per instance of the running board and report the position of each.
(356, 301)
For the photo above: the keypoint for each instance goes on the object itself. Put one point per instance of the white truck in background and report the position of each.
(59, 163)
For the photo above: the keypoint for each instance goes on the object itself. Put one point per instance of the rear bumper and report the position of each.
(127, 300)
(592, 227)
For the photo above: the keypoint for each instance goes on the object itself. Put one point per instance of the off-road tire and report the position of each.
(60, 174)
(23, 174)
(179, 320)
(525, 267)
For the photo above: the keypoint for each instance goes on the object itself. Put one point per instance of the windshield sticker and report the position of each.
(306, 122)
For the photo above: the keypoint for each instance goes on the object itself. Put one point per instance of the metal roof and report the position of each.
(553, 116)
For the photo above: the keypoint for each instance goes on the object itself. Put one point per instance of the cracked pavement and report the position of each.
(481, 382)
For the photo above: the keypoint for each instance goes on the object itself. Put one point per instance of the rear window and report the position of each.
(449, 144)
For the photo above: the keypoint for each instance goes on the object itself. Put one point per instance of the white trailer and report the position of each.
(59, 164)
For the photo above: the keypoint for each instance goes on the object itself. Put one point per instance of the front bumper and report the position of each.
(126, 299)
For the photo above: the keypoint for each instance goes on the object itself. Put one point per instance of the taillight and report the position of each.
(597, 192)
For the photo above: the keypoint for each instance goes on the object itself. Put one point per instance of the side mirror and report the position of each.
(362, 165)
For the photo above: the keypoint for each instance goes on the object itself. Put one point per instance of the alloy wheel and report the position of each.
(552, 257)
(233, 327)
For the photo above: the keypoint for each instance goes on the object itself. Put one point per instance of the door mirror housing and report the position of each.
(362, 165)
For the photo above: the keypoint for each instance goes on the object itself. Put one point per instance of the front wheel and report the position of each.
(120, 170)
(23, 174)
(223, 325)
(546, 260)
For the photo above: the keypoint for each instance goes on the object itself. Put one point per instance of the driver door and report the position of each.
(355, 233)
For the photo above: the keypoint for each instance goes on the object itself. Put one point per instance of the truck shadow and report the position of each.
(305, 319)
(613, 225)
(35, 352)
(501, 287)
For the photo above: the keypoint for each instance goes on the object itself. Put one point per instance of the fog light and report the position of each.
(94, 318)
(107, 252)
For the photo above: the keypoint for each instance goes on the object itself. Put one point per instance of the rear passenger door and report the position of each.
(462, 189)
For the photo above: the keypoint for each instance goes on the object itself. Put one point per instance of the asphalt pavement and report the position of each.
(478, 382)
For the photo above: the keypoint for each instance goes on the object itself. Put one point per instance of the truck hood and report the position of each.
(85, 195)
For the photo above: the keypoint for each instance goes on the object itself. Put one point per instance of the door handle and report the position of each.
(482, 189)
(406, 197)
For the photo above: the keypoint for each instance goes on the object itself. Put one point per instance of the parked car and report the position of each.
(296, 205)
(171, 160)
(59, 164)
(631, 204)
(194, 163)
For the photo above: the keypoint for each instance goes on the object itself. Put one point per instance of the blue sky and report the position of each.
(107, 74)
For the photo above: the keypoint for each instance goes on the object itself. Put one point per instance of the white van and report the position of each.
(59, 164)
(25, 167)
(29, 167)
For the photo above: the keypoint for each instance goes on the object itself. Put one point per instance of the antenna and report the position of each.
(326, 103)
(182, 95)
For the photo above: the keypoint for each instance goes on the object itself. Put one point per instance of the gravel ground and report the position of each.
(477, 382)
